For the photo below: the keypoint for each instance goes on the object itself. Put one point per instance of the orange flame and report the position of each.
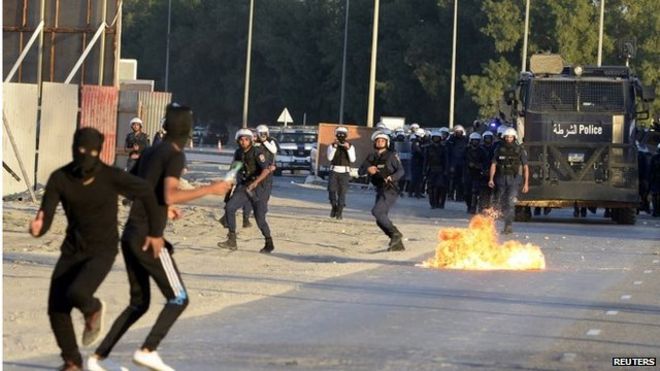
(477, 248)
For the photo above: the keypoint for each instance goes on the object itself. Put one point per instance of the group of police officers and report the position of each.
(483, 169)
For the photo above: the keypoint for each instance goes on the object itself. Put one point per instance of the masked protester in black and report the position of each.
(88, 191)
(161, 167)
(436, 169)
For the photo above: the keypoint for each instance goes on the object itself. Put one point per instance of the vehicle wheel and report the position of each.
(523, 214)
(625, 216)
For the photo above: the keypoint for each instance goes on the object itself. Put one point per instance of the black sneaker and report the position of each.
(93, 326)
(246, 223)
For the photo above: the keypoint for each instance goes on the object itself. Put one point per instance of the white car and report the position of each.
(295, 149)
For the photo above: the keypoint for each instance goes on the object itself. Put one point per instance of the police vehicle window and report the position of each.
(552, 96)
(598, 96)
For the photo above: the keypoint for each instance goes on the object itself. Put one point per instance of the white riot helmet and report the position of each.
(262, 129)
(475, 136)
(510, 132)
(414, 127)
(341, 130)
(659, 147)
(458, 128)
(136, 120)
(381, 125)
(436, 133)
(243, 133)
(380, 134)
(444, 130)
(420, 133)
(487, 133)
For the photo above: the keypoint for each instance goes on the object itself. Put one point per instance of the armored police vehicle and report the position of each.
(577, 124)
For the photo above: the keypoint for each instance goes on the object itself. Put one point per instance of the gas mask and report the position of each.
(87, 143)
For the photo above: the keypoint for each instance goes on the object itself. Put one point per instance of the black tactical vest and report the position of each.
(251, 169)
(380, 161)
(508, 159)
(341, 157)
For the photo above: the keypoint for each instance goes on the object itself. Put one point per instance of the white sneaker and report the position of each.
(150, 360)
(95, 364)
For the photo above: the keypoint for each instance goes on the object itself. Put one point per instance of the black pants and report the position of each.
(385, 199)
(140, 265)
(337, 188)
(76, 277)
(259, 204)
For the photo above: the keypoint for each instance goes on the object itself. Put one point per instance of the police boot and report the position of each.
(508, 228)
(333, 213)
(223, 221)
(473, 205)
(230, 243)
(396, 241)
(338, 213)
(443, 198)
(656, 205)
(268, 247)
(246, 223)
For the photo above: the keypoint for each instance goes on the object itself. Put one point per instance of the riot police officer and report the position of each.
(252, 187)
(476, 162)
(654, 182)
(341, 155)
(385, 170)
(417, 164)
(488, 144)
(458, 144)
(436, 167)
(505, 172)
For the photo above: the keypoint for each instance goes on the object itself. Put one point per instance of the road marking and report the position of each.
(626, 297)
(648, 271)
(637, 282)
(593, 332)
(612, 312)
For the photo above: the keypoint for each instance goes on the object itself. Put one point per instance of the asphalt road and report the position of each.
(597, 299)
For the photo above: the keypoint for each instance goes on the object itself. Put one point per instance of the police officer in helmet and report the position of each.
(509, 157)
(251, 187)
(385, 170)
(340, 154)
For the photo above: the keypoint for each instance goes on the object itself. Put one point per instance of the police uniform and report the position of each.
(417, 168)
(654, 182)
(476, 178)
(486, 194)
(436, 167)
(388, 165)
(508, 160)
(340, 159)
(255, 161)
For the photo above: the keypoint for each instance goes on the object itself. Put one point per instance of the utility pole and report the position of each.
(247, 67)
(524, 51)
(600, 33)
(453, 68)
(372, 74)
(343, 67)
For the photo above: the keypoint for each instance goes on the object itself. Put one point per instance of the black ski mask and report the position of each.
(85, 165)
(178, 124)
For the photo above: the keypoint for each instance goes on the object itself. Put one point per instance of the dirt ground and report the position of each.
(309, 247)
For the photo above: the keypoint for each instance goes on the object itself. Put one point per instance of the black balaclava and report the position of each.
(178, 124)
(84, 164)
(341, 137)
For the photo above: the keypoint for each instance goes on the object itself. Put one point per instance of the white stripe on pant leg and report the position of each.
(172, 277)
(177, 280)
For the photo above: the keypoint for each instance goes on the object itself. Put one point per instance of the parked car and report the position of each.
(295, 148)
